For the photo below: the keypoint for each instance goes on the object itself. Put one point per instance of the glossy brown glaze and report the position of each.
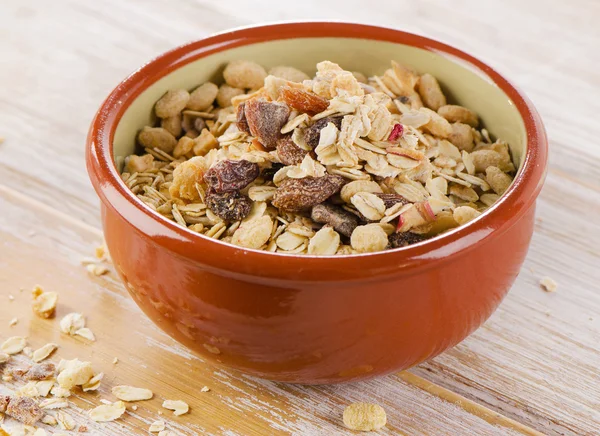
(309, 319)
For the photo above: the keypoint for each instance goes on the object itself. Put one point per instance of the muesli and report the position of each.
(337, 164)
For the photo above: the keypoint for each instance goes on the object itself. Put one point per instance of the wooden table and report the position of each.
(533, 368)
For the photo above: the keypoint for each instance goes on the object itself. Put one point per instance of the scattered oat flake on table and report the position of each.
(94, 383)
(28, 351)
(130, 393)
(177, 406)
(43, 352)
(65, 421)
(4, 357)
(108, 412)
(49, 420)
(71, 323)
(364, 417)
(86, 333)
(44, 303)
(548, 284)
(13, 345)
(167, 433)
(54, 403)
(157, 426)
(13, 322)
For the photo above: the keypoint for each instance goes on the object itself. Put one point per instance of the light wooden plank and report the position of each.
(40, 247)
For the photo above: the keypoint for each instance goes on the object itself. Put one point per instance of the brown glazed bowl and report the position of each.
(305, 319)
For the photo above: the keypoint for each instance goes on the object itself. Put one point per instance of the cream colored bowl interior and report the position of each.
(462, 83)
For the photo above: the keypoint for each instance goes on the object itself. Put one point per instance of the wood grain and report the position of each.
(535, 361)
(235, 405)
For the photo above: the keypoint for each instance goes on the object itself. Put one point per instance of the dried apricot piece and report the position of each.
(303, 101)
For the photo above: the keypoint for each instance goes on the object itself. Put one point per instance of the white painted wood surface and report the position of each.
(536, 361)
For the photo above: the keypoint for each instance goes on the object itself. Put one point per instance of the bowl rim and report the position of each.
(222, 256)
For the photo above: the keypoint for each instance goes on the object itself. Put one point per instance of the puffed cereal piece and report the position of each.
(185, 177)
(226, 93)
(172, 103)
(289, 73)
(244, 74)
(203, 96)
(430, 92)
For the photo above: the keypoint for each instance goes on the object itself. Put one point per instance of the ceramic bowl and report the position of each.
(306, 319)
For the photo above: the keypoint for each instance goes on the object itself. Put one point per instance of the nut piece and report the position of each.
(139, 164)
(203, 97)
(369, 238)
(172, 125)
(437, 125)
(108, 412)
(229, 206)
(324, 243)
(93, 384)
(342, 221)
(364, 417)
(44, 303)
(172, 103)
(459, 114)
(288, 152)
(41, 371)
(313, 133)
(184, 146)
(129, 393)
(352, 188)
(430, 92)
(295, 195)
(254, 233)
(244, 74)
(497, 180)
(186, 176)
(265, 120)
(548, 284)
(303, 101)
(226, 93)
(231, 175)
(204, 143)
(74, 373)
(13, 345)
(179, 407)
(157, 137)
(24, 409)
(462, 136)
(403, 239)
(289, 73)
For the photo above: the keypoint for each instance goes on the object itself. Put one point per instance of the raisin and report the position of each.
(342, 221)
(391, 199)
(231, 175)
(265, 120)
(241, 121)
(288, 152)
(294, 195)
(404, 239)
(268, 173)
(230, 206)
(303, 101)
(313, 133)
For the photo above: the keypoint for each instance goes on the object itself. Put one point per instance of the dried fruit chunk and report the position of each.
(369, 238)
(459, 114)
(157, 137)
(396, 132)
(324, 243)
(462, 136)
(185, 178)
(172, 103)
(44, 303)
(430, 92)
(108, 412)
(226, 93)
(403, 239)
(240, 118)
(294, 195)
(13, 345)
(303, 101)
(244, 74)
(288, 152)
(204, 143)
(203, 97)
(313, 133)
(342, 221)
(390, 200)
(130, 393)
(265, 120)
(364, 417)
(229, 206)
(41, 371)
(179, 407)
(231, 175)
(139, 164)
(24, 409)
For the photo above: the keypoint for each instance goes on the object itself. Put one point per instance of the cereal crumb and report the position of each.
(115, 360)
(134, 407)
(205, 389)
(44, 303)
(11, 298)
(96, 269)
(157, 426)
(364, 417)
(13, 322)
(548, 284)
